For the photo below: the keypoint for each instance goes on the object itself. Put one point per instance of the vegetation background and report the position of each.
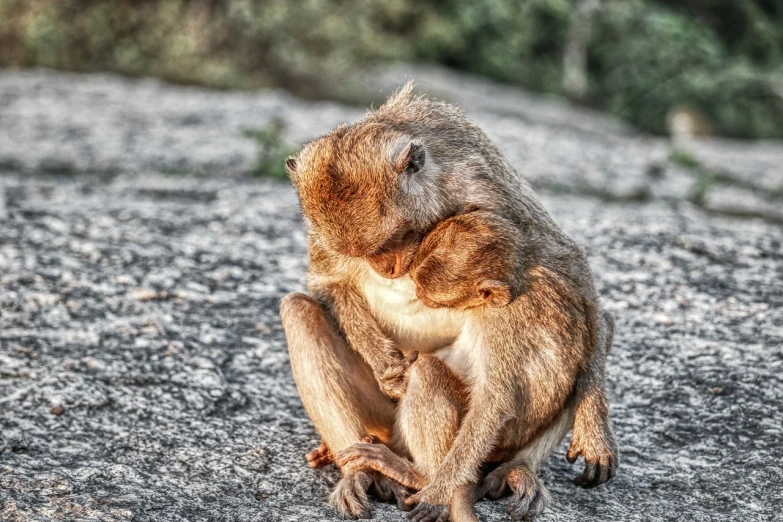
(638, 59)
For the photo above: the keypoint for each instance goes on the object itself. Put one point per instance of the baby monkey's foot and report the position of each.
(349, 497)
(600, 454)
(389, 489)
(424, 512)
(529, 497)
(319, 457)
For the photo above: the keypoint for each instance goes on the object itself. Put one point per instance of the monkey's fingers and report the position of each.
(597, 472)
(361, 455)
(319, 457)
(587, 476)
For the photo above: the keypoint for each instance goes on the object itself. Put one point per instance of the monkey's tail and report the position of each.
(462, 501)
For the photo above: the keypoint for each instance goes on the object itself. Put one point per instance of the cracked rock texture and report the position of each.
(143, 369)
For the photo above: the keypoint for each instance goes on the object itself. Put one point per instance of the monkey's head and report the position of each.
(368, 191)
(465, 262)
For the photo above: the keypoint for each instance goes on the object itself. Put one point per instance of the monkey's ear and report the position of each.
(290, 167)
(410, 159)
(495, 293)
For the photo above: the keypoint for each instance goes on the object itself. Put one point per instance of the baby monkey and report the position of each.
(468, 261)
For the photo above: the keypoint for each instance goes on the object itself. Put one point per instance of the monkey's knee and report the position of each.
(433, 375)
(306, 325)
(299, 308)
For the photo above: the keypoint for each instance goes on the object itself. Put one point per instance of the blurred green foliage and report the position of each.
(639, 58)
(272, 150)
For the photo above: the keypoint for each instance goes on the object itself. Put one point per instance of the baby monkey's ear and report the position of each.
(495, 293)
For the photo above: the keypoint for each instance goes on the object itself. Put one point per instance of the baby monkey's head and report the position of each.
(466, 261)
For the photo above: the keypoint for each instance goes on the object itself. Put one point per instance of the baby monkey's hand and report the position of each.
(393, 379)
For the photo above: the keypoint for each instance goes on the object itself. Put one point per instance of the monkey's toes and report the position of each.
(424, 512)
(529, 498)
(524, 506)
(494, 485)
(319, 457)
(389, 489)
(349, 497)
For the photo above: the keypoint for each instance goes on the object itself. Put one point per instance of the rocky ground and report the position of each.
(143, 370)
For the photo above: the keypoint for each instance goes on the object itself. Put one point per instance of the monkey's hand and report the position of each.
(432, 504)
(597, 445)
(393, 378)
(378, 457)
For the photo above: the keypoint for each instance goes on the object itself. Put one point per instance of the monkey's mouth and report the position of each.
(394, 258)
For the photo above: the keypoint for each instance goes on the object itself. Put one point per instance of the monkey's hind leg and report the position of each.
(529, 496)
(339, 392)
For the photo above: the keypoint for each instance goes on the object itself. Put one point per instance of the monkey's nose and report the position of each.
(386, 264)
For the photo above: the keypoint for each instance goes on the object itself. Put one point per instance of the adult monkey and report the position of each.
(370, 191)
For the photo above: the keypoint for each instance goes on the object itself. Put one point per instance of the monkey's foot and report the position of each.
(389, 489)
(424, 512)
(529, 496)
(349, 497)
(431, 504)
(600, 454)
(319, 457)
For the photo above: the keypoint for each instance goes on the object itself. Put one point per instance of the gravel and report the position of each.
(143, 368)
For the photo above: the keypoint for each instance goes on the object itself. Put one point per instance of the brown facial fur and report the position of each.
(347, 183)
(468, 261)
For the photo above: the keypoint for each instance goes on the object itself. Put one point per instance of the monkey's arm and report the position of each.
(592, 436)
(364, 335)
(378, 457)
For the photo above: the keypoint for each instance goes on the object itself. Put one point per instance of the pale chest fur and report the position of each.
(404, 319)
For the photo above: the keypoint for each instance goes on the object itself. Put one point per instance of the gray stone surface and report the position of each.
(143, 369)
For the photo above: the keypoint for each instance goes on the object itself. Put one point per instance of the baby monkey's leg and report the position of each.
(339, 392)
(428, 419)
